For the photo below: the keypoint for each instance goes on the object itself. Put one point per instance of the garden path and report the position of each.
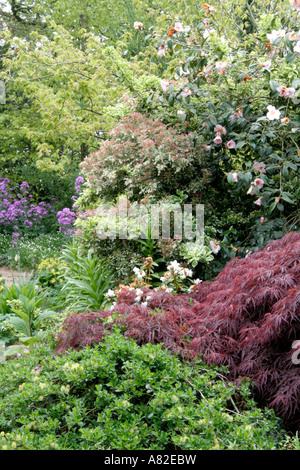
(13, 275)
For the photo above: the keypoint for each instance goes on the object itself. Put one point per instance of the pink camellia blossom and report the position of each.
(262, 219)
(218, 139)
(164, 84)
(275, 34)
(258, 182)
(251, 190)
(258, 202)
(215, 247)
(265, 65)
(178, 27)
(231, 144)
(220, 129)
(259, 166)
(235, 176)
(296, 4)
(186, 92)
(286, 92)
(162, 50)
(273, 113)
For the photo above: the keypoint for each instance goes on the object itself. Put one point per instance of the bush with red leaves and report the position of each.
(247, 319)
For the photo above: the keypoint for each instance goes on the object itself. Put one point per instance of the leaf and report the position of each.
(287, 197)
(30, 340)
(44, 315)
(20, 325)
(14, 350)
(274, 85)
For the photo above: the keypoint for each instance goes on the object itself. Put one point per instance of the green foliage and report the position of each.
(22, 308)
(86, 279)
(122, 396)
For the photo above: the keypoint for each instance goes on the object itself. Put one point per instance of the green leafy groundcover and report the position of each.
(119, 395)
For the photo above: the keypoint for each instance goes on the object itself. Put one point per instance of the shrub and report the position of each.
(247, 319)
(119, 395)
(144, 158)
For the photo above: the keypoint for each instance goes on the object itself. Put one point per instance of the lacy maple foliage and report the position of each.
(247, 319)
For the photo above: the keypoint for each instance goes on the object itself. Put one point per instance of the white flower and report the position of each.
(144, 304)
(2, 42)
(163, 279)
(137, 299)
(178, 27)
(197, 281)
(215, 247)
(275, 34)
(297, 47)
(273, 113)
(110, 293)
(138, 25)
(113, 306)
(180, 112)
(189, 272)
(174, 266)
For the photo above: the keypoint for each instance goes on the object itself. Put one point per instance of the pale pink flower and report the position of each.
(218, 139)
(273, 113)
(258, 182)
(251, 190)
(138, 25)
(164, 84)
(297, 47)
(235, 176)
(178, 27)
(265, 65)
(186, 92)
(258, 202)
(215, 247)
(262, 219)
(231, 144)
(206, 23)
(296, 4)
(208, 148)
(204, 124)
(220, 129)
(275, 34)
(162, 50)
(259, 166)
(286, 92)
(292, 36)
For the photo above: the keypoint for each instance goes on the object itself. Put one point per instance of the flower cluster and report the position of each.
(18, 212)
